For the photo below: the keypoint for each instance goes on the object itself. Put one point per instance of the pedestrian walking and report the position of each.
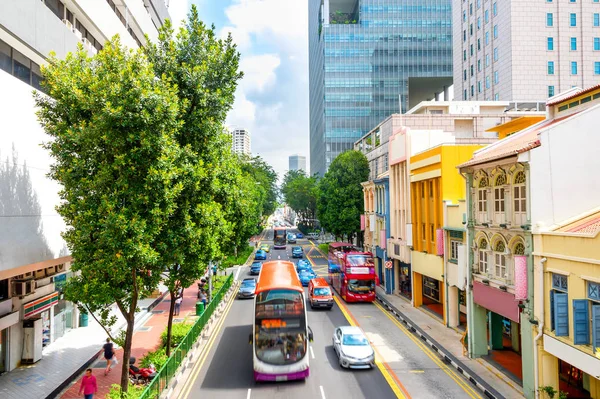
(88, 385)
(178, 302)
(109, 355)
(203, 298)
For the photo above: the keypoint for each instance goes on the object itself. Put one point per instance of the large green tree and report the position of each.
(205, 72)
(340, 201)
(265, 179)
(113, 127)
(300, 193)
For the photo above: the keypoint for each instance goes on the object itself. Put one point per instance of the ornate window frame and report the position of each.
(500, 183)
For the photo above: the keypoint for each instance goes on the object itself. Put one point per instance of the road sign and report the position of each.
(388, 264)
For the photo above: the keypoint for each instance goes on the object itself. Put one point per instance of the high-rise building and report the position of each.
(297, 162)
(362, 54)
(240, 141)
(524, 50)
(34, 260)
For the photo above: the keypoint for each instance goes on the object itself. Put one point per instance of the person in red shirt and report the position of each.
(88, 385)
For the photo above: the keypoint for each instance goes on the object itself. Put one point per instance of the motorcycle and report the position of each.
(140, 375)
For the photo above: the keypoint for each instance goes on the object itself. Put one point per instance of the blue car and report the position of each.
(306, 276)
(299, 235)
(303, 265)
(255, 268)
(297, 252)
(260, 255)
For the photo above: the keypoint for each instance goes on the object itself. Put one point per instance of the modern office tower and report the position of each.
(363, 56)
(524, 50)
(240, 141)
(297, 162)
(34, 260)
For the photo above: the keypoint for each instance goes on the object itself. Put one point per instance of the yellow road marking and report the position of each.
(187, 387)
(459, 380)
(416, 371)
(381, 366)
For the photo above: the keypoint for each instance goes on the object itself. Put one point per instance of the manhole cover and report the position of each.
(158, 311)
(144, 328)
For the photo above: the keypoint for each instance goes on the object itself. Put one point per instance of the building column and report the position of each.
(548, 369)
(496, 327)
(417, 281)
(452, 307)
(477, 334)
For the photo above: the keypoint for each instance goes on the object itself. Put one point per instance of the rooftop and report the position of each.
(588, 225)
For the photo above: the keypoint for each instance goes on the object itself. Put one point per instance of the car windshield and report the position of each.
(322, 291)
(361, 286)
(355, 340)
(249, 283)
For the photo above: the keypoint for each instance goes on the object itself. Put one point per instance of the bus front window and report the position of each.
(280, 346)
(361, 286)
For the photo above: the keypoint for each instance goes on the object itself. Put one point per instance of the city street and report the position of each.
(405, 368)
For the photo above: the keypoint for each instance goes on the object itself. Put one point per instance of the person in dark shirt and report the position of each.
(109, 355)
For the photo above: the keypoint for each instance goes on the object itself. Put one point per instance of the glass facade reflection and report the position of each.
(361, 54)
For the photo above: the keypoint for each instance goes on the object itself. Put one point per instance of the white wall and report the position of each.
(565, 169)
(30, 228)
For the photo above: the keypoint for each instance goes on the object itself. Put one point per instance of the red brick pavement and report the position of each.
(143, 342)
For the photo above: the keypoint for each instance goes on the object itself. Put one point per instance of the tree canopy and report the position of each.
(340, 201)
(300, 193)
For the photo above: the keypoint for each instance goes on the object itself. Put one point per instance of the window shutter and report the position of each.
(552, 328)
(596, 327)
(580, 322)
(561, 314)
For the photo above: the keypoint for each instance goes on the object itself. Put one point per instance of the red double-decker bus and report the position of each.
(351, 272)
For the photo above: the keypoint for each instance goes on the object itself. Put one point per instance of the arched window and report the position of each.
(519, 198)
(519, 249)
(483, 256)
(500, 260)
(482, 200)
(499, 198)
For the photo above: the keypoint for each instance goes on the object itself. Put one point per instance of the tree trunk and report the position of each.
(127, 349)
(170, 322)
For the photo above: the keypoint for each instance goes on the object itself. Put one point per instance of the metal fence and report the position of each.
(164, 375)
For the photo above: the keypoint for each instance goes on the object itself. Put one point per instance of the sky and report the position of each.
(272, 98)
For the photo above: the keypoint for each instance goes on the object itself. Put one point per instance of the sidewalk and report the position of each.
(450, 340)
(61, 360)
(146, 338)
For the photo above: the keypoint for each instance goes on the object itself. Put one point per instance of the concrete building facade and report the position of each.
(34, 260)
(521, 49)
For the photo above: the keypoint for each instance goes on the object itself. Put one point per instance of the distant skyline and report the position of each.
(272, 98)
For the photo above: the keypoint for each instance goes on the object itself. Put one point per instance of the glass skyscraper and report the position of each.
(361, 55)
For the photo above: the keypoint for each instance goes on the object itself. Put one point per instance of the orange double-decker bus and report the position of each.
(281, 332)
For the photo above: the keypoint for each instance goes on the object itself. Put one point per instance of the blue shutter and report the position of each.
(561, 314)
(551, 310)
(596, 327)
(581, 329)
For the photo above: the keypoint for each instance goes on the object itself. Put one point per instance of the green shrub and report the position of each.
(243, 254)
(158, 358)
(178, 332)
(324, 248)
(134, 392)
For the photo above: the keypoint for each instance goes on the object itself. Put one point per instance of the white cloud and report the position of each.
(259, 71)
(178, 10)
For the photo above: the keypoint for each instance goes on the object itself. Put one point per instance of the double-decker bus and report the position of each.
(281, 332)
(351, 272)
(279, 238)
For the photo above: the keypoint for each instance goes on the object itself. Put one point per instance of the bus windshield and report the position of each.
(359, 260)
(280, 329)
(361, 286)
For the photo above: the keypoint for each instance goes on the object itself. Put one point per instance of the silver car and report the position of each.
(353, 348)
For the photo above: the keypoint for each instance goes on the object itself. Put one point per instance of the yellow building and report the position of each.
(568, 302)
(435, 182)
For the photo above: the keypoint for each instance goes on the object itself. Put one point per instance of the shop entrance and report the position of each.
(573, 381)
(432, 296)
(504, 343)
(404, 281)
(462, 309)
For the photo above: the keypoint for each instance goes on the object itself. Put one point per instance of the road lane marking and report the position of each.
(390, 377)
(459, 380)
(312, 353)
(249, 391)
(237, 274)
(416, 371)
(322, 391)
(187, 387)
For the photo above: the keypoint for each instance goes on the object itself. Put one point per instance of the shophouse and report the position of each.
(368, 219)
(435, 184)
(34, 260)
(390, 146)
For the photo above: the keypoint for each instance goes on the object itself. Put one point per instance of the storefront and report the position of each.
(428, 283)
(404, 279)
(64, 310)
(42, 308)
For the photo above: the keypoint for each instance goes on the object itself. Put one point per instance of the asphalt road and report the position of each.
(405, 369)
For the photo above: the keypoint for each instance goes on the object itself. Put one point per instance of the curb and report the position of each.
(73, 377)
(446, 356)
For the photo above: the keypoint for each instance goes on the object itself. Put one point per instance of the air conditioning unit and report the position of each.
(50, 270)
(68, 24)
(22, 288)
(26, 276)
(40, 274)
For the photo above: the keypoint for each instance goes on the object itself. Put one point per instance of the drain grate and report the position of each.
(158, 311)
(144, 329)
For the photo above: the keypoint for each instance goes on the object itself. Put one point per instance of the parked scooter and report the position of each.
(140, 375)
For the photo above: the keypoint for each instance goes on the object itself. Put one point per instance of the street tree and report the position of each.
(265, 179)
(340, 200)
(205, 71)
(112, 125)
(300, 193)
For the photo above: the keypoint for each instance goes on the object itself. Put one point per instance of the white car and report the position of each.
(353, 348)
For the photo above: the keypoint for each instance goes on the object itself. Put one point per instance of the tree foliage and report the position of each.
(300, 193)
(265, 179)
(340, 202)
(113, 129)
